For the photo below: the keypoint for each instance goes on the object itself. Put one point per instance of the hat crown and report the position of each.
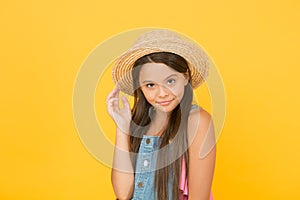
(159, 34)
(160, 40)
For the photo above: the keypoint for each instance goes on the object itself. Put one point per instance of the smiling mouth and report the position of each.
(164, 103)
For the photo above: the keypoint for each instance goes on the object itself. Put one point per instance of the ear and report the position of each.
(187, 78)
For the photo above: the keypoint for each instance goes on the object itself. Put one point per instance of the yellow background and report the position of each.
(255, 45)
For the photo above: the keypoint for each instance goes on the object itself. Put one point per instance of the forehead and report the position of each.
(156, 72)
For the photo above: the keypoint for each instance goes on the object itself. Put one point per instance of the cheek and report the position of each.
(149, 95)
(178, 91)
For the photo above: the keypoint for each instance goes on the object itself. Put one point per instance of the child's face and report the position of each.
(162, 86)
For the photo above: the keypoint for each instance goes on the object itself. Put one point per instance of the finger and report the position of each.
(125, 103)
(113, 102)
(112, 94)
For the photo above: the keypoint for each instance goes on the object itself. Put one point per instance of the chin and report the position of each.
(164, 109)
(168, 108)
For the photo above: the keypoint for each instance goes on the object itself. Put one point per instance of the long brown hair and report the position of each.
(176, 131)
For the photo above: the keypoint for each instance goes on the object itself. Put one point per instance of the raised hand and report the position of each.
(121, 117)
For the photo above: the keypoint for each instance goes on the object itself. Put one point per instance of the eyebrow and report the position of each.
(146, 81)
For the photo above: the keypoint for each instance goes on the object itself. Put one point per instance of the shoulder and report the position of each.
(200, 130)
(199, 116)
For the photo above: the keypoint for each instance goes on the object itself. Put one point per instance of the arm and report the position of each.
(202, 154)
(122, 173)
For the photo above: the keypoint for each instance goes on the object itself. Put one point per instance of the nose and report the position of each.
(163, 92)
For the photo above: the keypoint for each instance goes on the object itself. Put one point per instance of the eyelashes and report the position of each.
(169, 82)
(150, 85)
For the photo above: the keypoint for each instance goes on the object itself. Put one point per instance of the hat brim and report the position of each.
(196, 58)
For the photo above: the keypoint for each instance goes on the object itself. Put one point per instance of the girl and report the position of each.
(159, 140)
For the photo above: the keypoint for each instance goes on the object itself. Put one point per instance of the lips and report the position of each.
(164, 103)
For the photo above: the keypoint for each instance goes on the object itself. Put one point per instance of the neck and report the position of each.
(160, 116)
(159, 121)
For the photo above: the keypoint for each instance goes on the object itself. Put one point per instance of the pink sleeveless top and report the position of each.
(183, 184)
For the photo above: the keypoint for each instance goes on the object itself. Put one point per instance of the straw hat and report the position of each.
(160, 40)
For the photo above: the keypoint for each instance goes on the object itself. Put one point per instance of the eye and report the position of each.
(171, 81)
(150, 85)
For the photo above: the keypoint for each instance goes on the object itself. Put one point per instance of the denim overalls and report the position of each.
(145, 168)
(145, 165)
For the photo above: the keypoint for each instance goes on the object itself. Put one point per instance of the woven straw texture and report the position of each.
(160, 41)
